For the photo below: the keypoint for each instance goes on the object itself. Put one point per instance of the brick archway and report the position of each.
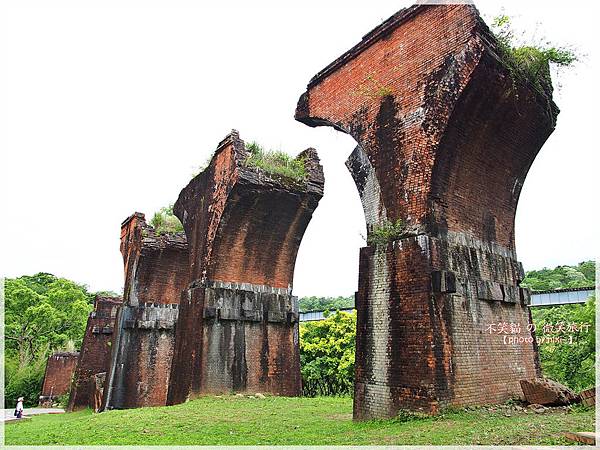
(446, 135)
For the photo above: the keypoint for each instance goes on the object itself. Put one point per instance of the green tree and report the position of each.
(323, 303)
(327, 355)
(572, 361)
(23, 381)
(562, 277)
(43, 314)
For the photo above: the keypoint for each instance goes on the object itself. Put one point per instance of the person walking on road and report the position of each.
(19, 408)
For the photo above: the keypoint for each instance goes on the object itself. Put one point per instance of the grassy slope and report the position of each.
(289, 421)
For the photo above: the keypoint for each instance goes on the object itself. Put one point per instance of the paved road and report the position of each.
(9, 413)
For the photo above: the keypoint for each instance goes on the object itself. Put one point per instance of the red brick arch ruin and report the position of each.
(446, 135)
(238, 322)
(212, 310)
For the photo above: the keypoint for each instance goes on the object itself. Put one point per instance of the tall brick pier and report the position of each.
(94, 357)
(446, 135)
(156, 271)
(238, 323)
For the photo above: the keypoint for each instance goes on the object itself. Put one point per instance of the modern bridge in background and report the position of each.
(538, 298)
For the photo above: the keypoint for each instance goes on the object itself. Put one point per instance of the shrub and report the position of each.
(164, 221)
(386, 232)
(529, 61)
(25, 381)
(62, 400)
(276, 162)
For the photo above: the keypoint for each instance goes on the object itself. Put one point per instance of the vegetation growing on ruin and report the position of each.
(276, 162)
(164, 221)
(373, 88)
(529, 61)
(385, 232)
(230, 420)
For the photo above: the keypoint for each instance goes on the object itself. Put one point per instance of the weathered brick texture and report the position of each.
(445, 138)
(94, 357)
(238, 323)
(156, 271)
(58, 376)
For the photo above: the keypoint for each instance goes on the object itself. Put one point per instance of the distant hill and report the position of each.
(322, 303)
(562, 277)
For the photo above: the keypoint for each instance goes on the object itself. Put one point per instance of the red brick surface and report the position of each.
(588, 397)
(94, 356)
(445, 139)
(543, 391)
(58, 376)
(156, 271)
(237, 328)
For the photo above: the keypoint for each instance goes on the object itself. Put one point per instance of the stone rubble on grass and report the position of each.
(588, 396)
(544, 391)
(537, 408)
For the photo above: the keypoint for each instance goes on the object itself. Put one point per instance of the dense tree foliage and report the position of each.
(567, 353)
(327, 355)
(566, 338)
(23, 381)
(562, 277)
(325, 303)
(43, 314)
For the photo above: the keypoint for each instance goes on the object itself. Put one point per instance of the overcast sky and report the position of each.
(109, 107)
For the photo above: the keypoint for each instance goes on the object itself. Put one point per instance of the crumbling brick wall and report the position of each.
(58, 376)
(238, 323)
(94, 357)
(156, 271)
(446, 135)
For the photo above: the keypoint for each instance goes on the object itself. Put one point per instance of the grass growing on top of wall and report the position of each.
(230, 420)
(388, 231)
(275, 162)
(530, 61)
(164, 221)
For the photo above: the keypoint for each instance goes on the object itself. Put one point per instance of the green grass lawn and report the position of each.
(230, 420)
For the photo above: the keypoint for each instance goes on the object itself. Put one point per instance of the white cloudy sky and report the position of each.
(107, 108)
